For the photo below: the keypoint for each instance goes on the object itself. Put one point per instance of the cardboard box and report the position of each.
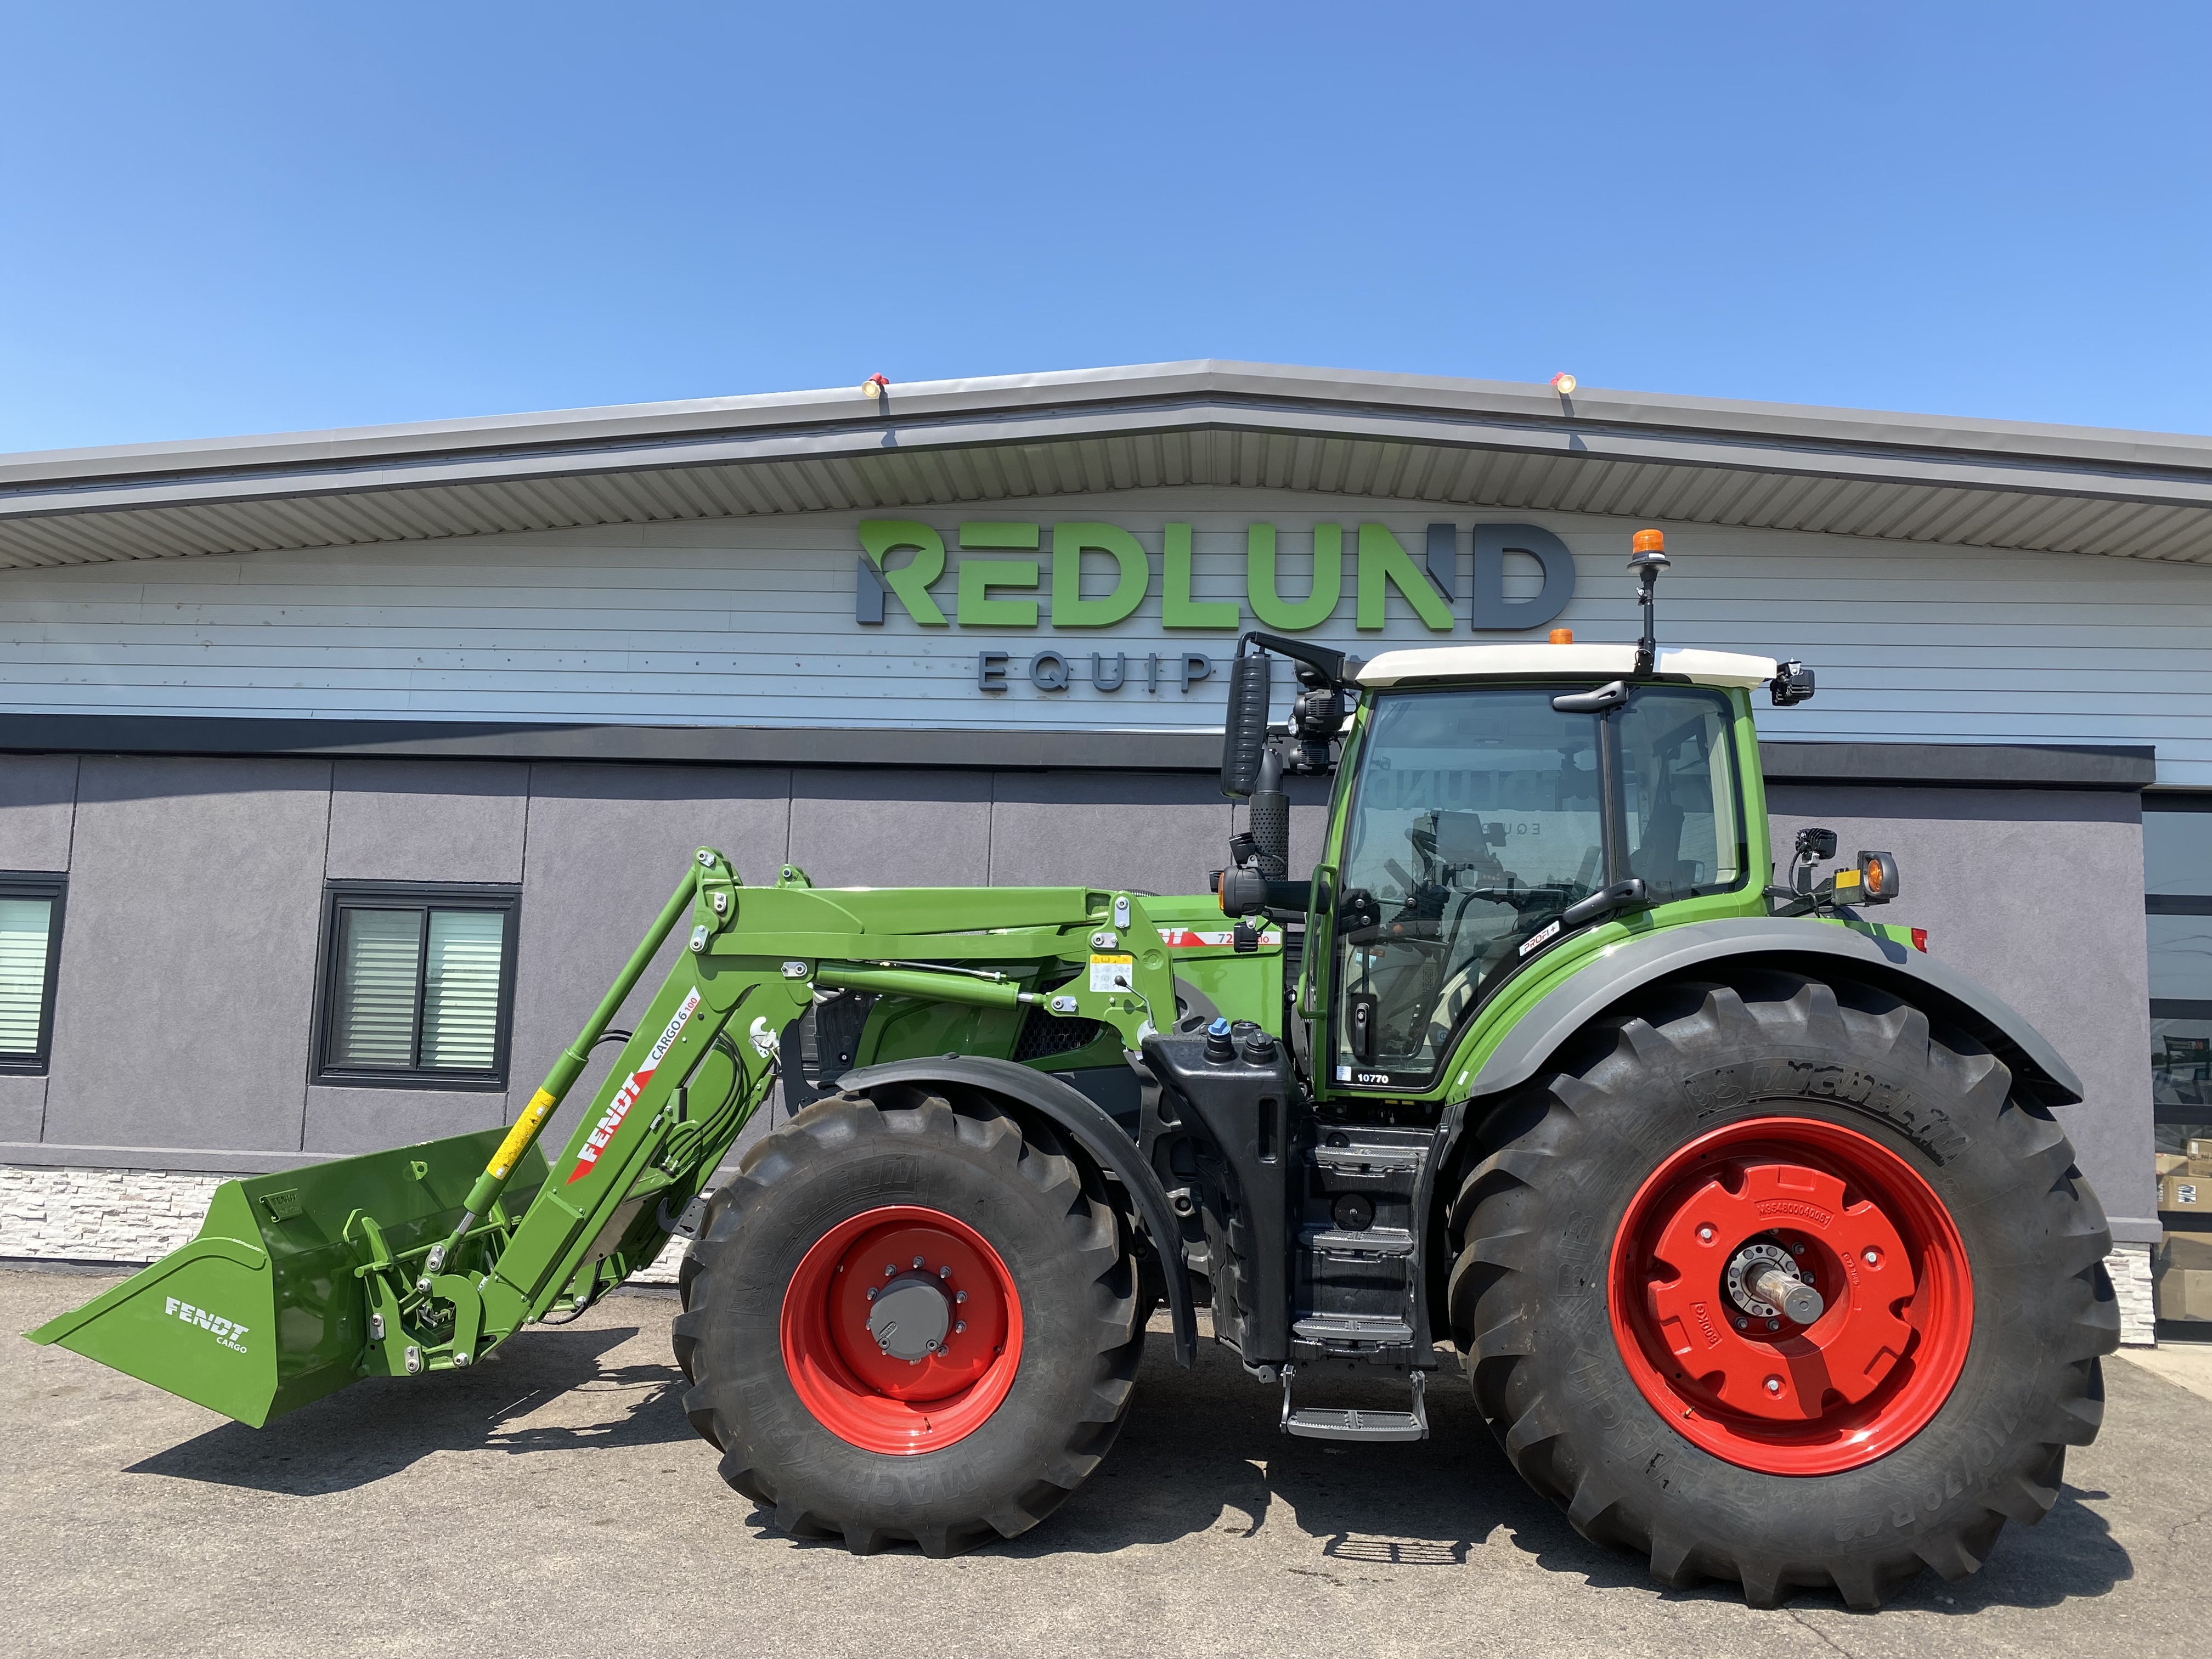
(2185, 1293)
(2172, 1163)
(2200, 1148)
(2189, 1194)
(2185, 1253)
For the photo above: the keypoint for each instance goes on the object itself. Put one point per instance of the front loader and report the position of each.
(1748, 1222)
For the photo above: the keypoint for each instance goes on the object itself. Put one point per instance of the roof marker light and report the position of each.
(1563, 636)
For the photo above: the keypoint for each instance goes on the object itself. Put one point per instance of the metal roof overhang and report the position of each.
(1461, 443)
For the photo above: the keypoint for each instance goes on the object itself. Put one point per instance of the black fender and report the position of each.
(1102, 1139)
(1795, 943)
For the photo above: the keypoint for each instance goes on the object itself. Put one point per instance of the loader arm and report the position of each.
(705, 1055)
(425, 1258)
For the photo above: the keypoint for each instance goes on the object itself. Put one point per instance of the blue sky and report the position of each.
(234, 218)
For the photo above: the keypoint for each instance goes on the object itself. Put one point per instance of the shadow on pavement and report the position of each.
(377, 1427)
(1200, 1454)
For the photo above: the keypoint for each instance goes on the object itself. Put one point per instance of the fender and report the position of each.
(1783, 942)
(1081, 1119)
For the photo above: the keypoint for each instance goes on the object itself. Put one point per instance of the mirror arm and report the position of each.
(1621, 895)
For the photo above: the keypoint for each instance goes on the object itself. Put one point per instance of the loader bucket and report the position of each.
(263, 1311)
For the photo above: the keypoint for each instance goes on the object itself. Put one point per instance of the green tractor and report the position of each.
(1748, 1222)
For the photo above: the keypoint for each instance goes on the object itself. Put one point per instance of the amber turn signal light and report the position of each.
(1647, 541)
(1878, 876)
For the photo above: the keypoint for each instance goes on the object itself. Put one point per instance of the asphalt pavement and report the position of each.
(554, 1502)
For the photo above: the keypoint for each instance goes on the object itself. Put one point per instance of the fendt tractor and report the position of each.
(1747, 1220)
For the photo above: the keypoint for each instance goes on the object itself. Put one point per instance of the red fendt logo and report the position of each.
(626, 1096)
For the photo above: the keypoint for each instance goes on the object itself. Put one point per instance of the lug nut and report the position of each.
(871, 1293)
(1872, 1258)
(959, 1295)
(944, 1273)
(1705, 1234)
(890, 1268)
(1796, 1249)
(917, 1261)
(1774, 1385)
(1773, 1324)
(1742, 1323)
(959, 1326)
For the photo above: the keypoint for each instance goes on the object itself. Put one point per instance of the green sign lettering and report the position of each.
(1177, 608)
(1070, 542)
(1383, 561)
(1267, 601)
(1383, 564)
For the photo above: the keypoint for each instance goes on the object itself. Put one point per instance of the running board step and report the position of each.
(1338, 1423)
(1371, 1159)
(1351, 1328)
(1373, 1240)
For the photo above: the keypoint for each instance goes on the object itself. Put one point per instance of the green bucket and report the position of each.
(264, 1311)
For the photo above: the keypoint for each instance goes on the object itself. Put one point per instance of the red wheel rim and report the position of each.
(871, 1394)
(1851, 1216)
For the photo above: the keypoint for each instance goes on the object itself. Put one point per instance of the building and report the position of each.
(342, 769)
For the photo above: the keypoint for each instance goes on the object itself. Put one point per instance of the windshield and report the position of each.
(1476, 817)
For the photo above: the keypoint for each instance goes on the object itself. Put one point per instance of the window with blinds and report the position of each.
(30, 933)
(418, 986)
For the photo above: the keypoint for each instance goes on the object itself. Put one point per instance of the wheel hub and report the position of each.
(1764, 1279)
(910, 1317)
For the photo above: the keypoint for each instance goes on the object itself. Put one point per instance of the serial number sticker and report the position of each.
(1112, 972)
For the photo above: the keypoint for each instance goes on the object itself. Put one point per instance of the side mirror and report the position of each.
(1244, 729)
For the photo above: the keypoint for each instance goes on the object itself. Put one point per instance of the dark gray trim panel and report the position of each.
(1092, 1130)
(2046, 766)
(1963, 765)
(1637, 962)
(735, 746)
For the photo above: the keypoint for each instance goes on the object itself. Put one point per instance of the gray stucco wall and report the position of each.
(188, 958)
(2038, 894)
(188, 953)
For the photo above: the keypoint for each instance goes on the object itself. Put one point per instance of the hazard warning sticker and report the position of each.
(1110, 973)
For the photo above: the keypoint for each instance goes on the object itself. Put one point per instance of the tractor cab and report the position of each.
(1500, 799)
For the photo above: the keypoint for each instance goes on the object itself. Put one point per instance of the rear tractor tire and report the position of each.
(1776, 1281)
(906, 1320)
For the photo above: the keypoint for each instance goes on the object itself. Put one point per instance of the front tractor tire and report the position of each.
(907, 1320)
(1825, 1144)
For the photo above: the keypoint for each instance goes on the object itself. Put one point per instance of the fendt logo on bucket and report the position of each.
(227, 1332)
(626, 1096)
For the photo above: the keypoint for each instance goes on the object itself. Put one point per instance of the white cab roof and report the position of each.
(1490, 662)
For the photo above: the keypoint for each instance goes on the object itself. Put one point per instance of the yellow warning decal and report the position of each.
(520, 1136)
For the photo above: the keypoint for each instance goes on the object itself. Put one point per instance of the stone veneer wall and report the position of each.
(131, 1216)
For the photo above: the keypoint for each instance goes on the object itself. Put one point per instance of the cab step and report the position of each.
(1352, 1423)
(1370, 1158)
(1353, 1328)
(1372, 1241)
